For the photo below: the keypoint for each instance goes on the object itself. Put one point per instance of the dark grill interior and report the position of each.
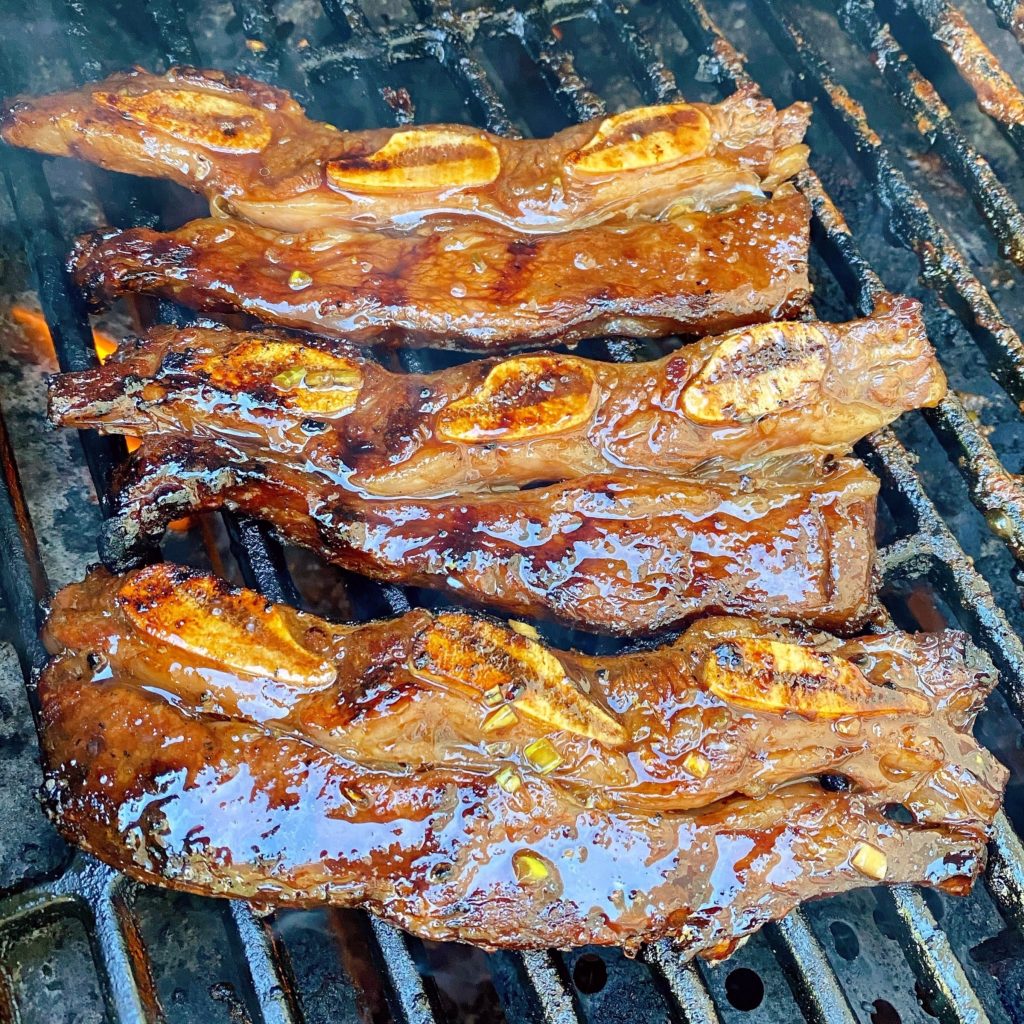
(941, 181)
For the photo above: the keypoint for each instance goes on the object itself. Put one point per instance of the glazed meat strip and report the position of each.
(471, 287)
(251, 150)
(465, 782)
(498, 423)
(621, 555)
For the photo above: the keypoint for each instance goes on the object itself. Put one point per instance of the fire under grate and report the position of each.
(933, 199)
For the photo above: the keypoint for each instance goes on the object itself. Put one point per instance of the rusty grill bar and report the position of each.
(539, 986)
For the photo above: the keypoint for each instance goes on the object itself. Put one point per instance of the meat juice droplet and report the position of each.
(583, 261)
(458, 291)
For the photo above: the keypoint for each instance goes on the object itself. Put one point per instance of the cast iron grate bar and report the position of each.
(1010, 14)
(996, 92)
(995, 492)
(934, 120)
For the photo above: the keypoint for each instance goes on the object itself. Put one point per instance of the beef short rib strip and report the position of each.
(620, 555)
(251, 150)
(471, 287)
(498, 423)
(465, 782)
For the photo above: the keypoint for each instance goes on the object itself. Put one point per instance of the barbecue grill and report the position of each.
(930, 189)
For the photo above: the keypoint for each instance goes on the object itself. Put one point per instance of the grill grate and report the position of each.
(350, 47)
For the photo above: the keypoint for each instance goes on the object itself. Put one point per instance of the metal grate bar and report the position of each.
(660, 83)
(549, 988)
(23, 582)
(944, 267)
(557, 65)
(681, 982)
(1006, 870)
(170, 21)
(929, 950)
(117, 944)
(406, 993)
(272, 989)
(996, 92)
(61, 304)
(1010, 14)
(819, 994)
(934, 120)
(463, 68)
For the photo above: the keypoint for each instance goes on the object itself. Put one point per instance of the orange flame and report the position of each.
(35, 328)
(37, 331)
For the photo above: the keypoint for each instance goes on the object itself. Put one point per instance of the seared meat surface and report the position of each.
(464, 781)
(251, 150)
(612, 554)
(474, 287)
(321, 404)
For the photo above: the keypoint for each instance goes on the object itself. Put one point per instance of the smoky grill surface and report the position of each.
(533, 72)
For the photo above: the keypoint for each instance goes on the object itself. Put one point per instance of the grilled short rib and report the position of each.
(516, 421)
(251, 150)
(471, 287)
(464, 781)
(623, 555)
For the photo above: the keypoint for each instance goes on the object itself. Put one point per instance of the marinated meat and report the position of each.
(474, 287)
(491, 423)
(612, 554)
(463, 781)
(251, 150)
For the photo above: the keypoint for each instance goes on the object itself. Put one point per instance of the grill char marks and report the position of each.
(493, 818)
(250, 148)
(625, 555)
(475, 287)
(513, 422)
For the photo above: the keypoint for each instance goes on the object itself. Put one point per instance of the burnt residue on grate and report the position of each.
(901, 155)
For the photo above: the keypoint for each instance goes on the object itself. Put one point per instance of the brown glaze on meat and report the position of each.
(513, 422)
(465, 782)
(251, 150)
(605, 554)
(471, 286)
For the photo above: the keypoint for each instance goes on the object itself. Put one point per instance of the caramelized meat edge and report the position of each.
(511, 422)
(251, 150)
(475, 288)
(616, 554)
(466, 782)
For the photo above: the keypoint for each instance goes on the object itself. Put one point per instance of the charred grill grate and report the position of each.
(358, 57)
